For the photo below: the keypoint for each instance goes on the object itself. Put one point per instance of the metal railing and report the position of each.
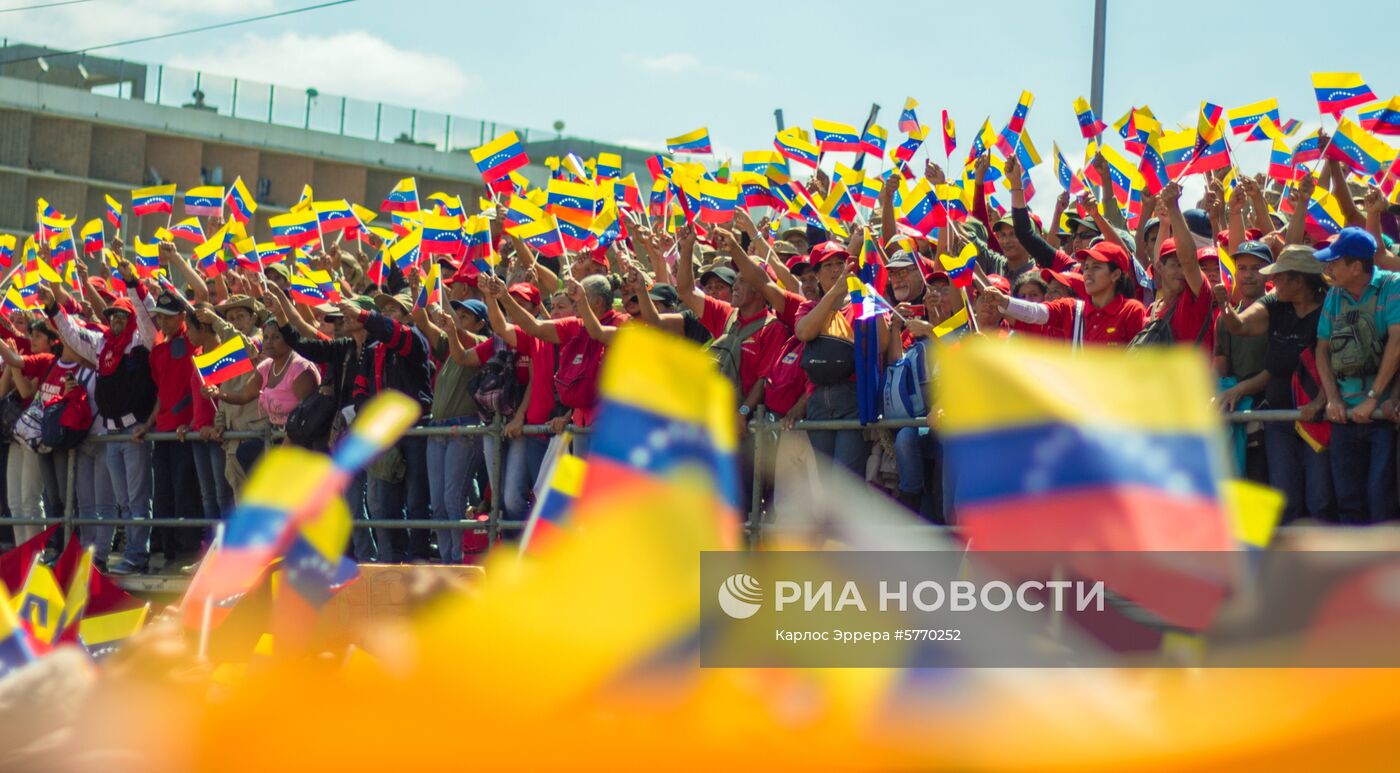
(761, 428)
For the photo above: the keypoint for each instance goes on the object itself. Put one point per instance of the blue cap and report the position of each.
(1352, 242)
(473, 305)
(1199, 222)
(1257, 249)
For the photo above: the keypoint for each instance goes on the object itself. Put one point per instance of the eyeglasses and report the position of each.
(1086, 235)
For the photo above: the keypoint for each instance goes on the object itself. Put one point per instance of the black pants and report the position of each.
(176, 495)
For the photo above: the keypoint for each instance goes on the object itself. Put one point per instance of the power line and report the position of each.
(149, 38)
(45, 5)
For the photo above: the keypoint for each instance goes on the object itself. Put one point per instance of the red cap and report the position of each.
(466, 274)
(826, 251)
(122, 304)
(937, 273)
(1110, 253)
(1168, 247)
(1207, 253)
(525, 293)
(1223, 238)
(796, 261)
(1000, 282)
(1075, 282)
(599, 256)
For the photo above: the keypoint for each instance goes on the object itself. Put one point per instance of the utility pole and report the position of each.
(1096, 73)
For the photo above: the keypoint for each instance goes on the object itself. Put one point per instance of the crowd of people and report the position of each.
(1288, 323)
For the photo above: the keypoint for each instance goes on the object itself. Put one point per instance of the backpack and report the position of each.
(67, 421)
(1158, 332)
(495, 386)
(728, 348)
(128, 390)
(1356, 341)
(309, 423)
(786, 379)
(906, 384)
(576, 377)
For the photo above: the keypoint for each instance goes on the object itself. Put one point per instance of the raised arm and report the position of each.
(1185, 244)
(181, 267)
(541, 329)
(691, 295)
(810, 326)
(596, 330)
(1298, 218)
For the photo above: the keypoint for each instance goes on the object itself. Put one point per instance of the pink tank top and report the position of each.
(277, 401)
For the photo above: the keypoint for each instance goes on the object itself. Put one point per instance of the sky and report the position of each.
(638, 72)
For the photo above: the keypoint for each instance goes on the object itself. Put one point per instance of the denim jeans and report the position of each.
(361, 540)
(847, 446)
(914, 460)
(92, 488)
(176, 495)
(449, 459)
(25, 488)
(215, 493)
(1363, 471)
(395, 501)
(1302, 474)
(512, 492)
(129, 465)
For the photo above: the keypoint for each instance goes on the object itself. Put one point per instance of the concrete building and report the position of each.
(73, 129)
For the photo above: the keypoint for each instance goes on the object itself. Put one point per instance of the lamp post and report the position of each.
(1096, 72)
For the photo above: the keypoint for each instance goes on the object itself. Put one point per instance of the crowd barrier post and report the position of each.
(758, 426)
(69, 483)
(497, 480)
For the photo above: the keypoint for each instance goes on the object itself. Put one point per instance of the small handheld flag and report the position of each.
(229, 360)
(695, 142)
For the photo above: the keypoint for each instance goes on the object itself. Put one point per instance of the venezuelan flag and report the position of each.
(188, 230)
(271, 252)
(908, 120)
(959, 267)
(983, 139)
(147, 257)
(838, 204)
(442, 235)
(1123, 175)
(101, 634)
(1337, 91)
(1359, 150)
(572, 202)
(696, 142)
(1136, 467)
(1266, 129)
(228, 360)
(93, 235)
(1211, 152)
(241, 204)
(40, 602)
(754, 190)
(955, 326)
(1026, 153)
(609, 166)
(334, 216)
(75, 602)
(520, 211)
(308, 197)
(1244, 119)
(796, 149)
(1020, 112)
(1308, 149)
(114, 211)
(1153, 167)
(295, 229)
(376, 427)
(1089, 124)
(718, 201)
(665, 415)
(149, 201)
(608, 228)
(211, 257)
(758, 161)
(1290, 127)
(909, 146)
(476, 240)
(836, 136)
(923, 211)
(1281, 165)
(15, 651)
(628, 193)
(403, 198)
(541, 235)
(1063, 172)
(565, 481)
(950, 135)
(7, 250)
(450, 205)
(430, 288)
(63, 248)
(499, 157)
(205, 200)
(872, 140)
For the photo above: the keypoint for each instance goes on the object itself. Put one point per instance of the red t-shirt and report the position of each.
(1194, 312)
(569, 328)
(172, 368)
(1115, 323)
(37, 366)
(791, 304)
(203, 413)
(757, 352)
(533, 354)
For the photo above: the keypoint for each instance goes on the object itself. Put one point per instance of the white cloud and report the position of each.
(357, 64)
(93, 24)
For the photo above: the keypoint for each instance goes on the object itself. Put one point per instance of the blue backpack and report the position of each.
(906, 383)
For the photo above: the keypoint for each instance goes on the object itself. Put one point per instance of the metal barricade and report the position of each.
(760, 427)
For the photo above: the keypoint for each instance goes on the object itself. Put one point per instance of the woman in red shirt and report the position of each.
(1110, 316)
